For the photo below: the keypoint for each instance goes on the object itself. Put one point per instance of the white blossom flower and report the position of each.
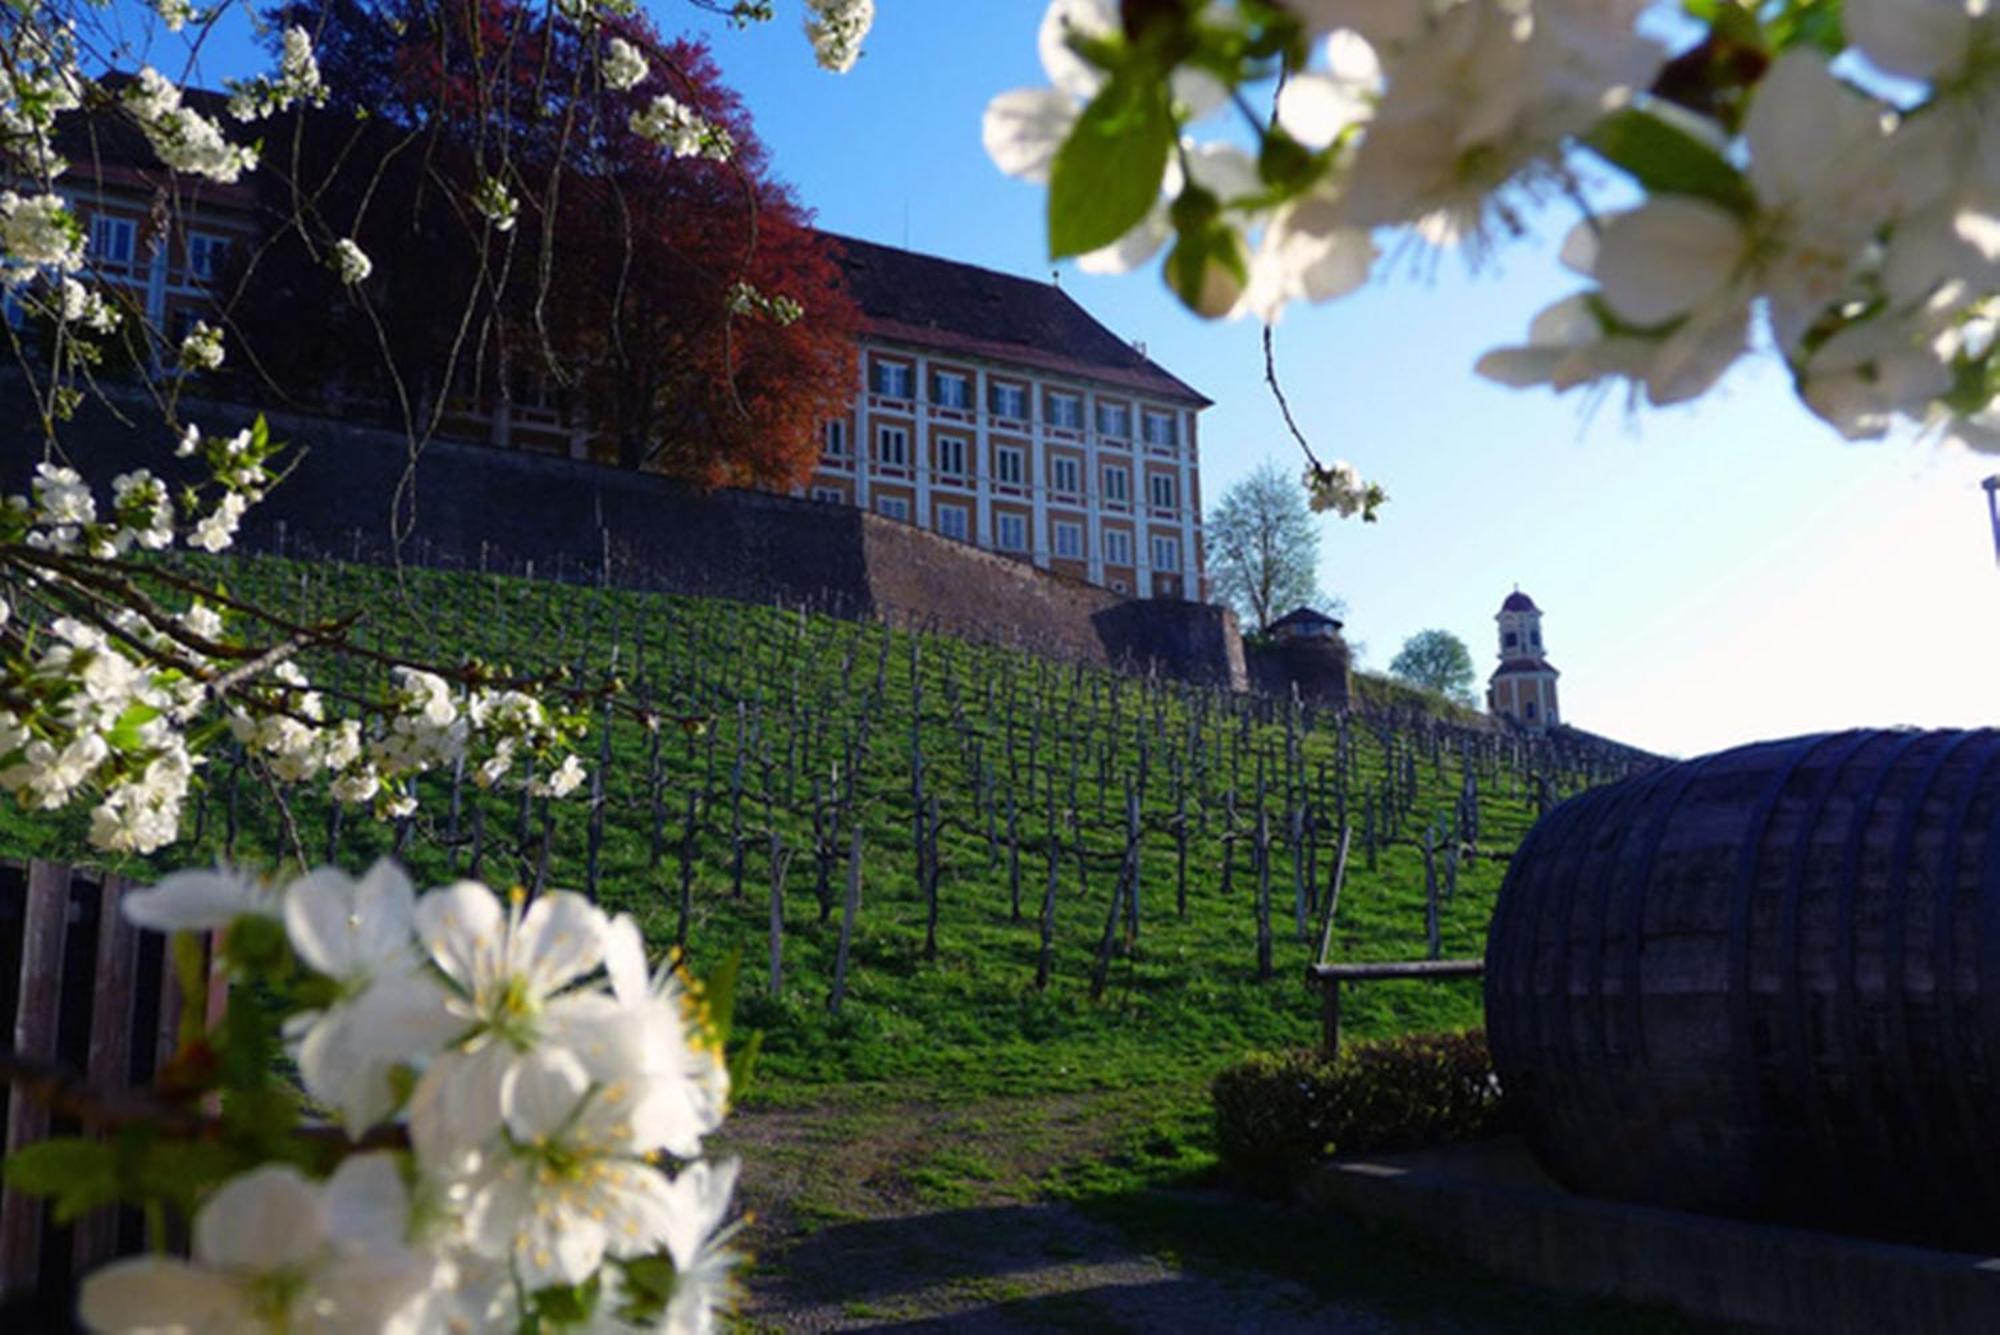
(143, 815)
(681, 131)
(298, 81)
(685, 1078)
(62, 498)
(1489, 89)
(84, 306)
(201, 349)
(37, 232)
(351, 262)
(144, 509)
(182, 137)
(496, 203)
(570, 1187)
(274, 1251)
(1873, 371)
(1315, 107)
(624, 65)
(215, 531)
(564, 781)
(359, 934)
(174, 14)
(704, 1283)
(513, 988)
(1816, 158)
(837, 29)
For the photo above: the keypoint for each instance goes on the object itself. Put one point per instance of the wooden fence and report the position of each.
(82, 989)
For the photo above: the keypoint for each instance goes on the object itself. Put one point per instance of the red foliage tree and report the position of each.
(642, 285)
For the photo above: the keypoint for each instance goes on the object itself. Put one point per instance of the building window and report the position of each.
(951, 521)
(893, 507)
(206, 255)
(1161, 485)
(1160, 429)
(892, 380)
(1012, 532)
(1114, 420)
(1117, 484)
(111, 239)
(830, 495)
(1535, 637)
(1511, 640)
(892, 446)
(1066, 410)
(1008, 401)
(951, 456)
(836, 440)
(1007, 465)
(1117, 547)
(950, 390)
(1069, 540)
(1166, 553)
(1531, 708)
(1064, 474)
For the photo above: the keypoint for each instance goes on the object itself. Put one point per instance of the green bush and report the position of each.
(1278, 1112)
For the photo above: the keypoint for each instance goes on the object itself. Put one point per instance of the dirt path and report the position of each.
(907, 1216)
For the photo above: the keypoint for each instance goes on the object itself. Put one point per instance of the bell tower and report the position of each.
(1523, 687)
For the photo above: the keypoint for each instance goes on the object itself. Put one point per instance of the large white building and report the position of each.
(994, 410)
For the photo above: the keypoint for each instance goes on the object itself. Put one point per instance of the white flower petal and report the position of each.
(1666, 257)
(540, 1094)
(560, 940)
(1131, 250)
(1067, 70)
(1022, 130)
(266, 1219)
(700, 1198)
(198, 901)
(1315, 108)
(366, 1202)
(462, 927)
(156, 1295)
(1806, 129)
(625, 961)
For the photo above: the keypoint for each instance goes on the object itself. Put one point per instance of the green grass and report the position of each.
(964, 1027)
(1181, 1000)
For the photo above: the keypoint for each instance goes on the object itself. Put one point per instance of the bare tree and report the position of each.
(1263, 549)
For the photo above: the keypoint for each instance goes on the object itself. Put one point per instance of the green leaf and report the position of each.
(1668, 160)
(125, 734)
(79, 1174)
(1107, 174)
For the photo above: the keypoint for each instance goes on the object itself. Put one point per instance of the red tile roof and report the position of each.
(932, 302)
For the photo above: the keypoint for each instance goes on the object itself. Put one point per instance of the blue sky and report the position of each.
(1710, 575)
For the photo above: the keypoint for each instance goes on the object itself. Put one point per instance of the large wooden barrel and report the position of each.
(1766, 983)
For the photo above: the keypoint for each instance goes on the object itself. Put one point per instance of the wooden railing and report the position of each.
(81, 990)
(1329, 978)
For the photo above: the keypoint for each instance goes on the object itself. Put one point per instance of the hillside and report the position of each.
(1025, 769)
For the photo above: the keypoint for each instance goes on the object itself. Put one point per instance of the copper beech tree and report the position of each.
(669, 297)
